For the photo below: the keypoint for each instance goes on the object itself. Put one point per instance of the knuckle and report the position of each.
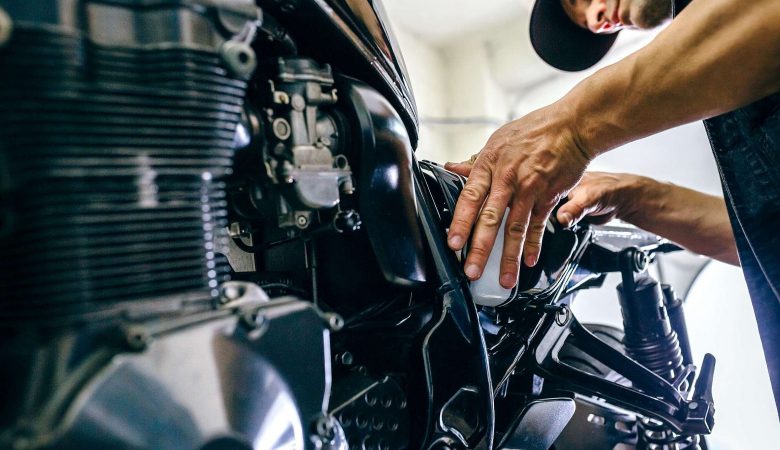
(512, 261)
(490, 216)
(516, 230)
(532, 243)
(460, 222)
(508, 176)
(490, 156)
(537, 228)
(478, 253)
(533, 182)
(471, 193)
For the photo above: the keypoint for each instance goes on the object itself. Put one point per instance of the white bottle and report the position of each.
(487, 291)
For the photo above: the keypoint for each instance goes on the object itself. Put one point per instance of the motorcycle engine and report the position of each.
(181, 208)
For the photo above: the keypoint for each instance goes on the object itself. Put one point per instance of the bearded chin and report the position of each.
(652, 13)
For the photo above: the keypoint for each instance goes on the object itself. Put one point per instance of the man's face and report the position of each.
(610, 16)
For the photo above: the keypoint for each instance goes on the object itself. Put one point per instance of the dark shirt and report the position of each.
(746, 145)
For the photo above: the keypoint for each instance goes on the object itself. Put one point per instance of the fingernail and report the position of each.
(530, 260)
(455, 242)
(508, 280)
(472, 271)
(566, 219)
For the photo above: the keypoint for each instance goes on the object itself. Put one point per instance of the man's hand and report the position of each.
(602, 197)
(527, 165)
(697, 221)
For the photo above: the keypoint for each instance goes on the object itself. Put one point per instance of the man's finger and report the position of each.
(462, 168)
(581, 203)
(514, 236)
(573, 210)
(533, 239)
(485, 231)
(469, 203)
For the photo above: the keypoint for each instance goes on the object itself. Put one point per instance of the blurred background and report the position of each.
(472, 69)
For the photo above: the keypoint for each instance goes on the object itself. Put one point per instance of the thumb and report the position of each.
(577, 207)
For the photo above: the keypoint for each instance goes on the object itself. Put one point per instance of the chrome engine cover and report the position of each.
(221, 380)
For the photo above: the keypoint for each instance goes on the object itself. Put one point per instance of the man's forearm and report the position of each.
(694, 220)
(716, 56)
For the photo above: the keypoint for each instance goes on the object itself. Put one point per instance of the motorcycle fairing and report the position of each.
(385, 184)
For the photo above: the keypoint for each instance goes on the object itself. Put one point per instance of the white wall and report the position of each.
(427, 72)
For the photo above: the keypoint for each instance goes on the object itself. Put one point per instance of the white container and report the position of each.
(487, 291)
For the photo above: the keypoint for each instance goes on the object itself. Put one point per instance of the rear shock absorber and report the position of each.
(649, 337)
(651, 340)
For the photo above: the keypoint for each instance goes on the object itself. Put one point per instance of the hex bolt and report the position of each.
(302, 221)
(345, 358)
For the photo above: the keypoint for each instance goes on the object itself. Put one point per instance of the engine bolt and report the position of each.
(282, 129)
(345, 358)
(302, 221)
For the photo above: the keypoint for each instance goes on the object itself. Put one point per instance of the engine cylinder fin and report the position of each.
(111, 191)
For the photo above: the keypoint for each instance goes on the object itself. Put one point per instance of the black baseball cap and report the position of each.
(562, 43)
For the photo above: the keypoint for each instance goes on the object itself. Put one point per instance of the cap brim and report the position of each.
(563, 44)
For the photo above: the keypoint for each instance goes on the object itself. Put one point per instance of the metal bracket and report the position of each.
(648, 394)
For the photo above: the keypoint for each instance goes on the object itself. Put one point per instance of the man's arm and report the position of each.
(696, 221)
(716, 56)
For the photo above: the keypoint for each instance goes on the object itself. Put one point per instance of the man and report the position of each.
(718, 60)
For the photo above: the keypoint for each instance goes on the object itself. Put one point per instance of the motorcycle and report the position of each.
(216, 235)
